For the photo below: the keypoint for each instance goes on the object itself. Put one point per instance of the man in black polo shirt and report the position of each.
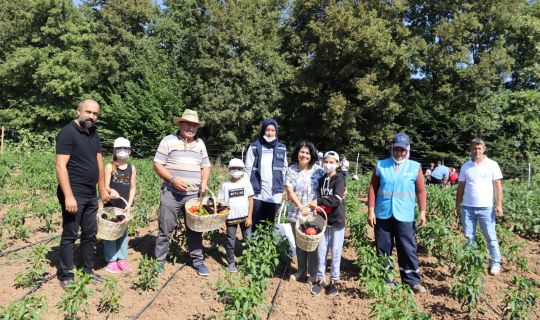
(79, 167)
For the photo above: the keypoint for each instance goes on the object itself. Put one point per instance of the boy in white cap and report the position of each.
(238, 193)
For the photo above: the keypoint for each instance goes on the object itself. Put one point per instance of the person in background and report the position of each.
(454, 176)
(479, 180)
(397, 183)
(266, 164)
(428, 172)
(440, 174)
(120, 181)
(182, 162)
(344, 166)
(331, 199)
(302, 182)
(238, 193)
(79, 167)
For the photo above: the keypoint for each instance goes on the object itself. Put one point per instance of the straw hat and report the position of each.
(188, 116)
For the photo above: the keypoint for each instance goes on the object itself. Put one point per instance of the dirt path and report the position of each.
(189, 296)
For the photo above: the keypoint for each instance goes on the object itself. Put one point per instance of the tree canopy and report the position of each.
(346, 74)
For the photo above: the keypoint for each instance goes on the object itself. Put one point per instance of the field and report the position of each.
(455, 275)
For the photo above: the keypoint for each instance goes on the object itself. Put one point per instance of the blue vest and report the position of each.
(397, 190)
(278, 165)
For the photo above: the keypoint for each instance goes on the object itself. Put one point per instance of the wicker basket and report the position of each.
(205, 223)
(310, 242)
(108, 230)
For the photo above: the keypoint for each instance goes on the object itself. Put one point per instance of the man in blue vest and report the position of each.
(396, 184)
(266, 164)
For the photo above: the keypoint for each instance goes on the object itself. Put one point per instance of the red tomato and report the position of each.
(311, 231)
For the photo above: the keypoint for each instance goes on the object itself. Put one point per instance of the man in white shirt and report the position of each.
(479, 179)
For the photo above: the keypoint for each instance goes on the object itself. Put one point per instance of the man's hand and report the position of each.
(457, 211)
(114, 194)
(204, 188)
(313, 204)
(422, 219)
(179, 184)
(248, 222)
(71, 205)
(305, 211)
(499, 212)
(372, 221)
(104, 196)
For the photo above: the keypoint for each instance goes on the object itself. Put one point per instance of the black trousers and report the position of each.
(390, 232)
(85, 218)
(263, 211)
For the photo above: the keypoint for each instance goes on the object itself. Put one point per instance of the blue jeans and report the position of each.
(116, 249)
(333, 239)
(486, 218)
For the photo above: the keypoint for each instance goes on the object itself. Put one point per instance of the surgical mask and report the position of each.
(269, 139)
(399, 161)
(86, 123)
(236, 173)
(329, 167)
(122, 154)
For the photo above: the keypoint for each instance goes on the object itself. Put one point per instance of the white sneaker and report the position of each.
(495, 270)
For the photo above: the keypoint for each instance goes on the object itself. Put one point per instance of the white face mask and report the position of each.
(236, 173)
(269, 139)
(329, 167)
(398, 161)
(122, 154)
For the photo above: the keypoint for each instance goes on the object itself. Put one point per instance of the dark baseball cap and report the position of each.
(401, 140)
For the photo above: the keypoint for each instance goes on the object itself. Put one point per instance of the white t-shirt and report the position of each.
(236, 194)
(479, 180)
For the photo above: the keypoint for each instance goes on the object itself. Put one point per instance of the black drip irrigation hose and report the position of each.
(159, 291)
(37, 286)
(165, 284)
(276, 294)
(491, 307)
(6, 252)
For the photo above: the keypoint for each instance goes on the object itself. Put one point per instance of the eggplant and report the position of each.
(208, 209)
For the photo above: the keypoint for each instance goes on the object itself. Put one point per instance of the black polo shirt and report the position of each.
(82, 166)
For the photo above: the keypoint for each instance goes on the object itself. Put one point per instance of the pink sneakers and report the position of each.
(123, 265)
(113, 267)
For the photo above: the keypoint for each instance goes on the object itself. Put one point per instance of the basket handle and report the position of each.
(212, 196)
(282, 209)
(317, 208)
(125, 201)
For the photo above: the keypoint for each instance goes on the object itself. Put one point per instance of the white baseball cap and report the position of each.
(122, 143)
(236, 163)
(331, 154)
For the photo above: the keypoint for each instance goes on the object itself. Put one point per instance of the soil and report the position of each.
(189, 296)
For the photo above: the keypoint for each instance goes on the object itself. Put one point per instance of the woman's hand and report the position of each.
(313, 204)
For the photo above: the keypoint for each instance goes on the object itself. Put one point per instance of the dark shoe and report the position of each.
(299, 276)
(65, 283)
(159, 269)
(202, 270)
(317, 288)
(232, 268)
(96, 277)
(332, 289)
(419, 289)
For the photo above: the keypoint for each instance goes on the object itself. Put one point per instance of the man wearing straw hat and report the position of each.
(182, 162)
